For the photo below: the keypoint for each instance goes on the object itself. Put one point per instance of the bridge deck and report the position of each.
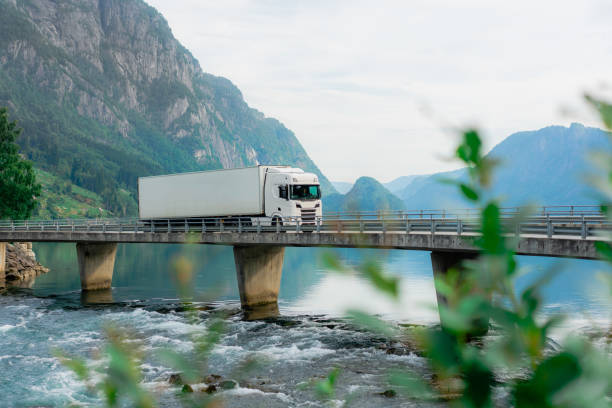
(527, 244)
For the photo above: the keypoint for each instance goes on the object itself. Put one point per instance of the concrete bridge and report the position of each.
(259, 248)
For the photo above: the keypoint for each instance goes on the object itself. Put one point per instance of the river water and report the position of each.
(301, 346)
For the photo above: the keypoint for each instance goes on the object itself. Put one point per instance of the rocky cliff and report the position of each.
(105, 94)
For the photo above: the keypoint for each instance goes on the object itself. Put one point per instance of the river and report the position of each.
(301, 346)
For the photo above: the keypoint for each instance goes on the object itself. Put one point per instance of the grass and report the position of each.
(62, 199)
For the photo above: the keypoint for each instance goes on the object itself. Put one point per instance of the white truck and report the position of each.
(266, 195)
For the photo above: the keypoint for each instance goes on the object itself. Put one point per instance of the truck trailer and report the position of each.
(267, 195)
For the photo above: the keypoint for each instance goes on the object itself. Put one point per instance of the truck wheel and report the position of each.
(277, 221)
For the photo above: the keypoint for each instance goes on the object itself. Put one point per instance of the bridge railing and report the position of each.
(553, 211)
(576, 221)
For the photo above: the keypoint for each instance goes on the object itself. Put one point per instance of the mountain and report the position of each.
(544, 167)
(397, 185)
(394, 186)
(342, 187)
(105, 94)
(367, 194)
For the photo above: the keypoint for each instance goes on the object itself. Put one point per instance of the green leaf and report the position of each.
(371, 323)
(443, 350)
(468, 192)
(443, 288)
(181, 363)
(492, 240)
(447, 180)
(410, 385)
(604, 109)
(469, 150)
(327, 387)
(332, 262)
(76, 365)
(479, 380)
(386, 284)
(604, 249)
(551, 376)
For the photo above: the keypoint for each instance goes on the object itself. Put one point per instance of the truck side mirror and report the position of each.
(282, 192)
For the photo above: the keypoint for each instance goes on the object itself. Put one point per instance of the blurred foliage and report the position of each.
(327, 388)
(118, 377)
(466, 367)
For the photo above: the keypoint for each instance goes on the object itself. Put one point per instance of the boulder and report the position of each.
(175, 379)
(212, 388)
(21, 264)
(228, 384)
(388, 393)
(212, 378)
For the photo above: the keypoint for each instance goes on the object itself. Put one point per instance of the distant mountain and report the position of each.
(105, 94)
(397, 185)
(543, 167)
(367, 194)
(342, 187)
(394, 186)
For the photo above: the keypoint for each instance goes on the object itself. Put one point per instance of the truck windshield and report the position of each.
(305, 192)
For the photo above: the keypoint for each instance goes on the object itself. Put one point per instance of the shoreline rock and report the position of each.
(21, 267)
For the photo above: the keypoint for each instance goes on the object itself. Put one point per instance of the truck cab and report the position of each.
(291, 195)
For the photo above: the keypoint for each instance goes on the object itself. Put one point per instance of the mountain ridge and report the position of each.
(545, 167)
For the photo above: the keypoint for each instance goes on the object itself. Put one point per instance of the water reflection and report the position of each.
(142, 272)
(96, 297)
(26, 283)
(261, 312)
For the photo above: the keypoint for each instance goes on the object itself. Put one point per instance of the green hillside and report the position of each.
(63, 199)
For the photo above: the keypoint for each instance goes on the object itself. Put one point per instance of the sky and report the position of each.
(383, 88)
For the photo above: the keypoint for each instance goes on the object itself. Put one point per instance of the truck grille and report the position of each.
(308, 216)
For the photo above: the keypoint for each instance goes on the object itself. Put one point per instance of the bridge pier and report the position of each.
(258, 270)
(2, 264)
(96, 264)
(442, 262)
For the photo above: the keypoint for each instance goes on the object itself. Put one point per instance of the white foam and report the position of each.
(224, 349)
(61, 385)
(157, 341)
(240, 391)
(6, 327)
(294, 353)
(80, 337)
(353, 388)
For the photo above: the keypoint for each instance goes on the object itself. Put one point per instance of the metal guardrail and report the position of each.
(553, 211)
(575, 221)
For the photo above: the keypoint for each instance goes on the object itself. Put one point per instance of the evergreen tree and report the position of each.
(18, 186)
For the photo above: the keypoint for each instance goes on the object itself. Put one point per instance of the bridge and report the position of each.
(562, 231)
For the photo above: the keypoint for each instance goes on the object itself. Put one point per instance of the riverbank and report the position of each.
(21, 266)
